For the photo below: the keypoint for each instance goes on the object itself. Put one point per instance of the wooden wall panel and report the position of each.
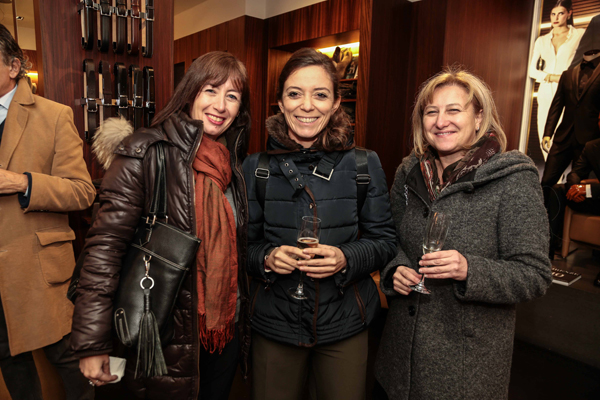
(321, 19)
(387, 109)
(62, 63)
(494, 44)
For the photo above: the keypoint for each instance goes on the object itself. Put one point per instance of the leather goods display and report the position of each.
(119, 26)
(105, 90)
(133, 27)
(149, 104)
(121, 96)
(103, 23)
(136, 91)
(85, 9)
(90, 102)
(147, 28)
(151, 276)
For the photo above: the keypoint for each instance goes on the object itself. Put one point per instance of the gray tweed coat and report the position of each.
(457, 342)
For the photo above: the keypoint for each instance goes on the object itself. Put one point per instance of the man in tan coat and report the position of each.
(42, 176)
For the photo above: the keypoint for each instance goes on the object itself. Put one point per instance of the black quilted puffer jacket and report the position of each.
(125, 196)
(341, 305)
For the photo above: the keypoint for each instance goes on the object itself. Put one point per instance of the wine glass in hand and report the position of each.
(308, 236)
(433, 240)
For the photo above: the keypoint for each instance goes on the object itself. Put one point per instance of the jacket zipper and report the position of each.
(195, 329)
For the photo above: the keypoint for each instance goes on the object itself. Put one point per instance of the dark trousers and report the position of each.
(558, 160)
(218, 370)
(20, 373)
(331, 371)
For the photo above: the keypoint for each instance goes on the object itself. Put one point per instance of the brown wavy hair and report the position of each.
(336, 135)
(212, 68)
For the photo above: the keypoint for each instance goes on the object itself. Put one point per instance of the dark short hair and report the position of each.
(337, 133)
(213, 68)
(11, 51)
(566, 4)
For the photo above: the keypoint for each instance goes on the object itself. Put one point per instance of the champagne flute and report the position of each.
(308, 236)
(433, 240)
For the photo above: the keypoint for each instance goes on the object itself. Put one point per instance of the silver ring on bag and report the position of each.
(151, 282)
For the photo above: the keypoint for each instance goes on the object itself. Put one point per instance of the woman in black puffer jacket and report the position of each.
(325, 335)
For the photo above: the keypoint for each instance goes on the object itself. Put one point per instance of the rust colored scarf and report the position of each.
(217, 257)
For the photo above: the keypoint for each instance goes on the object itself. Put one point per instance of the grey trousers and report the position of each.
(326, 372)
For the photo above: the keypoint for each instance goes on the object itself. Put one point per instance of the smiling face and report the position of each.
(308, 102)
(217, 107)
(559, 16)
(450, 123)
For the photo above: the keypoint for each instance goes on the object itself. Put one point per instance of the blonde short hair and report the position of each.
(480, 96)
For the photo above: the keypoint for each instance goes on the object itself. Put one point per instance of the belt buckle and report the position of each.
(327, 178)
(91, 105)
(105, 13)
(137, 102)
(363, 179)
(118, 12)
(262, 175)
(123, 101)
(150, 105)
(149, 14)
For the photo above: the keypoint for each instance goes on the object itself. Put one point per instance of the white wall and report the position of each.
(214, 12)
(206, 14)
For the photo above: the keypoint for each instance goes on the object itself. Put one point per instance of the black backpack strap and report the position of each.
(262, 174)
(362, 176)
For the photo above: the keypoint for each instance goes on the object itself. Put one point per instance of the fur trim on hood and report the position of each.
(107, 137)
(278, 130)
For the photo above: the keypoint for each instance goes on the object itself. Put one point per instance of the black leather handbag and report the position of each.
(152, 273)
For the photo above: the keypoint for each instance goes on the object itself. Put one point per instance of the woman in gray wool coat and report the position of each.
(456, 343)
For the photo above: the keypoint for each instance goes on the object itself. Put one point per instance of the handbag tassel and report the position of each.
(150, 359)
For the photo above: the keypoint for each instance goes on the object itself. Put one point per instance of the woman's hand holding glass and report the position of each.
(284, 259)
(332, 262)
(445, 264)
(404, 278)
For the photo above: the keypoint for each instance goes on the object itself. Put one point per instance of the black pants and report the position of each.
(20, 373)
(558, 160)
(218, 370)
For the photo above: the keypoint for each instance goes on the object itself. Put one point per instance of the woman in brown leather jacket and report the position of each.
(204, 130)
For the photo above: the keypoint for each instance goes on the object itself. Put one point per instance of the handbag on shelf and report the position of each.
(153, 270)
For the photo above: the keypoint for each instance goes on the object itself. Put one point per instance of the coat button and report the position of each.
(426, 213)
(138, 150)
(412, 310)
(121, 147)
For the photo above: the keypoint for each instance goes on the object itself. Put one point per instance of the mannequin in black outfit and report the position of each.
(578, 94)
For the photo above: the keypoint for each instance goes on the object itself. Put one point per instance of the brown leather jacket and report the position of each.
(125, 196)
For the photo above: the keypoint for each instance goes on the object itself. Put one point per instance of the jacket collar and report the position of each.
(16, 120)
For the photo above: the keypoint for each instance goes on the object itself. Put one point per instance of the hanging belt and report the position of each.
(105, 90)
(103, 24)
(121, 88)
(90, 103)
(85, 8)
(135, 94)
(148, 28)
(119, 27)
(149, 105)
(133, 27)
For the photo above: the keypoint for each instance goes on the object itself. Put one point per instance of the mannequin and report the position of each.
(552, 55)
